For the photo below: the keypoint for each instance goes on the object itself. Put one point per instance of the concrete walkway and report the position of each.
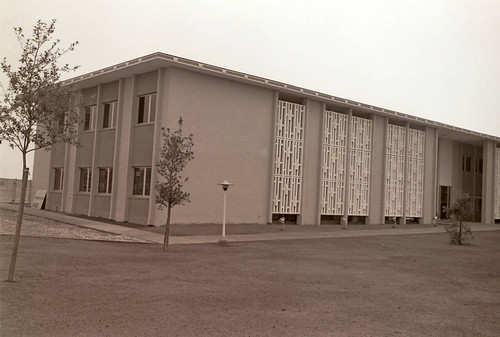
(203, 239)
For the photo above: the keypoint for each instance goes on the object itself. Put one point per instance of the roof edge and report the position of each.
(232, 74)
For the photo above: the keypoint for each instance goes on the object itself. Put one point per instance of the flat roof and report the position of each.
(158, 60)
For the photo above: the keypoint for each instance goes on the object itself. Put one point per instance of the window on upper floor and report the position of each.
(105, 180)
(60, 125)
(85, 179)
(89, 118)
(142, 180)
(109, 115)
(147, 109)
(58, 178)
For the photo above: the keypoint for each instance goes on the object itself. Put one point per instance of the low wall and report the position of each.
(10, 190)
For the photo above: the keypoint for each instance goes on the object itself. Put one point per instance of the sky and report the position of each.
(436, 59)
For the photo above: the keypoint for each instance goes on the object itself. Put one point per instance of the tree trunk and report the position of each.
(167, 228)
(20, 214)
(460, 233)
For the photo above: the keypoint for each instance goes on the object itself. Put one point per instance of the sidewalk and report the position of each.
(204, 239)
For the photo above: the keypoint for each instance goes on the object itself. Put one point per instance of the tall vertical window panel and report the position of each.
(89, 117)
(147, 109)
(142, 181)
(360, 166)
(109, 115)
(334, 163)
(287, 175)
(497, 184)
(85, 179)
(394, 170)
(415, 173)
(58, 179)
(105, 180)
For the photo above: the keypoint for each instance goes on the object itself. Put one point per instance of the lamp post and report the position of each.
(223, 241)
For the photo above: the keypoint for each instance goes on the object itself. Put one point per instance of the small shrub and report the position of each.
(459, 232)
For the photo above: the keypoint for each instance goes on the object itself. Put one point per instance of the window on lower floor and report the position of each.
(105, 180)
(142, 180)
(85, 179)
(58, 178)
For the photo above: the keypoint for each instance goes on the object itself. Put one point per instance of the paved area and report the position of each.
(204, 239)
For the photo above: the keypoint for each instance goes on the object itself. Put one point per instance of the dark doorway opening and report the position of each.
(444, 201)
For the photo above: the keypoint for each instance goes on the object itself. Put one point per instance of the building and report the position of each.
(312, 157)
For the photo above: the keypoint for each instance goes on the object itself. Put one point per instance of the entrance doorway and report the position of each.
(444, 201)
(477, 209)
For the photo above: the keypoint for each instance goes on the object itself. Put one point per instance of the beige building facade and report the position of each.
(311, 157)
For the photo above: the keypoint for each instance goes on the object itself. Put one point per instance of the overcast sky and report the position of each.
(437, 59)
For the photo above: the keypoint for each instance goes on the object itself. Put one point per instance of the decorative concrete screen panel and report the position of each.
(359, 172)
(415, 173)
(287, 182)
(334, 163)
(497, 184)
(394, 170)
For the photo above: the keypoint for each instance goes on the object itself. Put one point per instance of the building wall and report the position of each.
(445, 162)
(488, 182)
(57, 160)
(377, 184)
(430, 172)
(122, 172)
(456, 186)
(311, 193)
(232, 127)
(41, 173)
(233, 124)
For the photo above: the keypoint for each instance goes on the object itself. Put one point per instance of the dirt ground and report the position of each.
(408, 285)
(215, 229)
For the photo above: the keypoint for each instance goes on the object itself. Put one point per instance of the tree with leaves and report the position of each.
(459, 232)
(36, 110)
(175, 154)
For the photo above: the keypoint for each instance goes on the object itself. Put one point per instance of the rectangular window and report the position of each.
(60, 125)
(105, 180)
(88, 123)
(466, 163)
(109, 115)
(85, 179)
(147, 109)
(58, 179)
(142, 181)
(479, 165)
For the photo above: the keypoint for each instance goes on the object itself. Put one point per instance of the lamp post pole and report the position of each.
(224, 219)
(223, 241)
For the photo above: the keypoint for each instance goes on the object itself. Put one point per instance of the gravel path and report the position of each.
(41, 227)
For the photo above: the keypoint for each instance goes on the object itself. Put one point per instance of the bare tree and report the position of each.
(35, 111)
(175, 154)
(459, 231)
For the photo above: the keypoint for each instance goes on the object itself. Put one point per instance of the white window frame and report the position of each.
(109, 180)
(91, 109)
(111, 116)
(148, 104)
(145, 182)
(88, 171)
(58, 185)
